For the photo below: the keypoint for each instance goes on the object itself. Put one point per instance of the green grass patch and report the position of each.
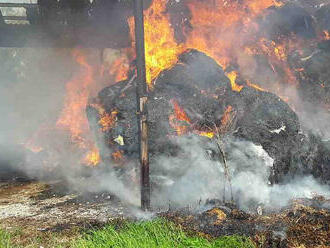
(5, 239)
(156, 233)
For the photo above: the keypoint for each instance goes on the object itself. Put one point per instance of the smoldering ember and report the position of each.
(238, 112)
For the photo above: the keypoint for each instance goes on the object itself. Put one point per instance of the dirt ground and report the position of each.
(43, 210)
(40, 206)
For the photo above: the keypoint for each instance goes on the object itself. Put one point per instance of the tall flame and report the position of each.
(214, 31)
(161, 49)
(73, 117)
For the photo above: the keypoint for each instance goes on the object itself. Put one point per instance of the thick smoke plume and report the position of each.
(31, 94)
(194, 177)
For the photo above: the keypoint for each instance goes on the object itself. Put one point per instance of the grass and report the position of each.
(5, 239)
(157, 233)
(17, 238)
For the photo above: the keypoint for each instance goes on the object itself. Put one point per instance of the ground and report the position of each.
(37, 209)
(47, 214)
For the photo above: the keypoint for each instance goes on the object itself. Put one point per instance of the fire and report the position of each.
(73, 117)
(180, 114)
(326, 35)
(214, 31)
(161, 49)
(232, 77)
(209, 135)
(107, 121)
(277, 55)
(92, 158)
(32, 143)
(226, 118)
(182, 124)
(119, 69)
(215, 25)
(179, 120)
(117, 156)
(255, 86)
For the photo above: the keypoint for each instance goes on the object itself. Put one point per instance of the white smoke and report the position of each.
(32, 93)
(32, 89)
(202, 179)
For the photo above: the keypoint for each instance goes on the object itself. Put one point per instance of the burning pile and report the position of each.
(195, 96)
(215, 69)
(242, 52)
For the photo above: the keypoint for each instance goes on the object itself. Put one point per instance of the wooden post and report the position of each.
(141, 95)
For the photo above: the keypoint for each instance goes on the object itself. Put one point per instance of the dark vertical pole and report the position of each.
(141, 91)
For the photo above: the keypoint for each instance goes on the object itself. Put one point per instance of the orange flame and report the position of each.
(92, 158)
(179, 120)
(180, 114)
(117, 156)
(257, 87)
(73, 117)
(232, 77)
(226, 118)
(119, 69)
(214, 24)
(181, 123)
(107, 121)
(216, 28)
(161, 49)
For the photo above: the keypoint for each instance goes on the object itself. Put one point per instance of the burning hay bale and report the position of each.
(286, 20)
(195, 96)
(265, 119)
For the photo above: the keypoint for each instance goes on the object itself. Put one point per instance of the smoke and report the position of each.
(32, 97)
(194, 177)
(315, 118)
(32, 87)
(108, 180)
(32, 92)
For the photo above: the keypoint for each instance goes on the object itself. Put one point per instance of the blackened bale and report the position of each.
(198, 85)
(285, 20)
